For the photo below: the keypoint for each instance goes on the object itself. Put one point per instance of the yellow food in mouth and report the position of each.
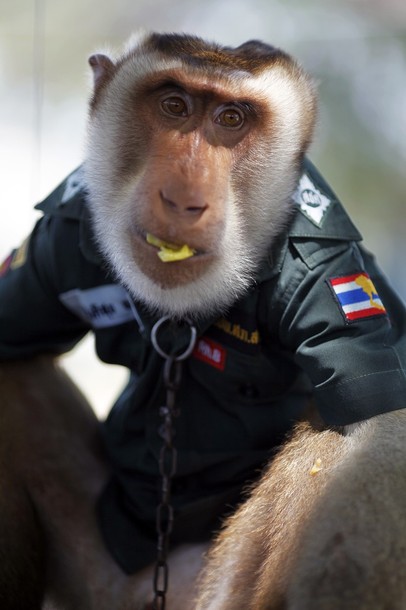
(169, 253)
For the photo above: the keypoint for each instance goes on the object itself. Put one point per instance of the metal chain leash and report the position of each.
(172, 375)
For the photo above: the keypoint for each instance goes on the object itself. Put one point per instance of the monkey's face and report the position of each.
(190, 165)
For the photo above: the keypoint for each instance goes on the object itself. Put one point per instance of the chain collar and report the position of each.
(172, 375)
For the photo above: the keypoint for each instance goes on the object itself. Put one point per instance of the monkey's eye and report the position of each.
(233, 118)
(175, 106)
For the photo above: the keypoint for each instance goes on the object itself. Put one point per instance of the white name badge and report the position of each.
(101, 307)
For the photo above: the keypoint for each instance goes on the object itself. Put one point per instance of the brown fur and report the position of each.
(255, 552)
(52, 470)
(22, 543)
(333, 540)
(252, 56)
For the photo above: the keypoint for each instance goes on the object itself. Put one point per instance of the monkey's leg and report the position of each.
(251, 562)
(331, 540)
(53, 466)
(353, 552)
(50, 465)
(22, 544)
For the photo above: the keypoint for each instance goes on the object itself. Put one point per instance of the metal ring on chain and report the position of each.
(161, 352)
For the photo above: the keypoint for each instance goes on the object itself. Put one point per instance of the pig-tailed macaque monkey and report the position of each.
(209, 257)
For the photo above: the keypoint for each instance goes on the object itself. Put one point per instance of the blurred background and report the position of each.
(356, 50)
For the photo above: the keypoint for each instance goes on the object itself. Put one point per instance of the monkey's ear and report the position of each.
(102, 67)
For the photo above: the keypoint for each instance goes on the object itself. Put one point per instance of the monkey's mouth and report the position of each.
(187, 260)
(169, 252)
(182, 270)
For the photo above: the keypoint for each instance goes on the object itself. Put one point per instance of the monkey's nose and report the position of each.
(183, 203)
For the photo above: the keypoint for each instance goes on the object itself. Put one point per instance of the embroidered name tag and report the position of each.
(101, 307)
(357, 296)
(210, 352)
(238, 331)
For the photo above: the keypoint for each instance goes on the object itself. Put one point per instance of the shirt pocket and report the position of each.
(245, 379)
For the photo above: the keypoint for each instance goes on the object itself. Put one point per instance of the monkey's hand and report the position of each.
(169, 253)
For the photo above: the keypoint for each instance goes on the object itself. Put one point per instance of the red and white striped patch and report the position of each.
(357, 296)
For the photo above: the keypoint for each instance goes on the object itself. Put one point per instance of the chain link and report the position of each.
(168, 456)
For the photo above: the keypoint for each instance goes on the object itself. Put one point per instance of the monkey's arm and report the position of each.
(356, 361)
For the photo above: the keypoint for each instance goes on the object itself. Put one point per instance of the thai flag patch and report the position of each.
(357, 296)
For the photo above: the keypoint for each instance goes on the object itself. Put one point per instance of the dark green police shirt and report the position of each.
(320, 320)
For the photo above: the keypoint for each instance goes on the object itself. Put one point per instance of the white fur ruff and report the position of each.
(250, 225)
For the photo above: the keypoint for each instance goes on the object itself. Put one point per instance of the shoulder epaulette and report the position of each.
(68, 199)
(320, 213)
